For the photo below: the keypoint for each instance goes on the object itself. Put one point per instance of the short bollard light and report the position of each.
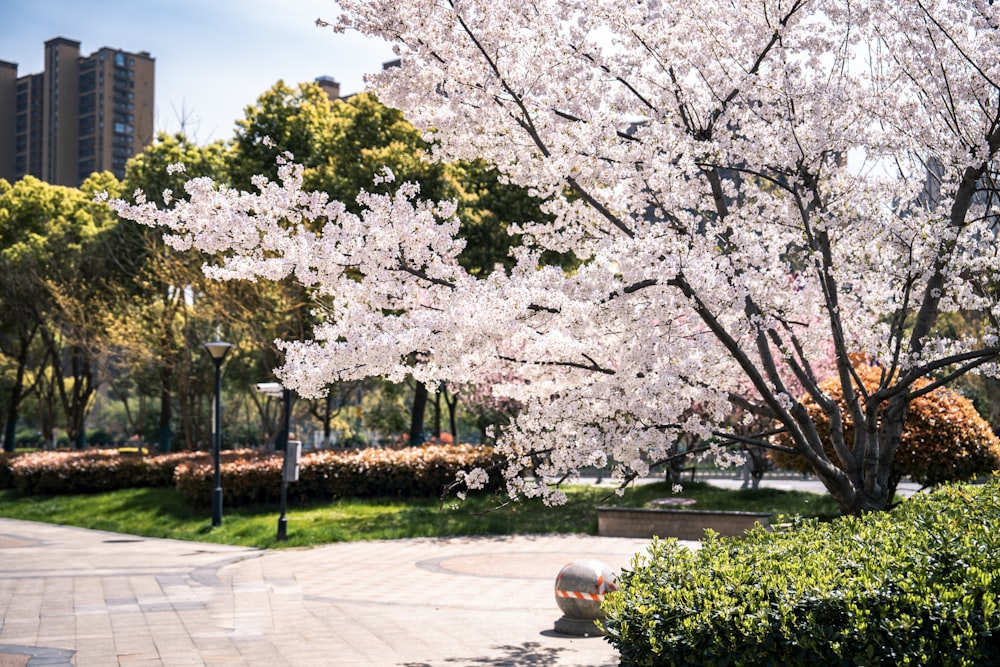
(580, 587)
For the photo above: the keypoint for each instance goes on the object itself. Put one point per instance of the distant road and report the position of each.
(905, 489)
(779, 481)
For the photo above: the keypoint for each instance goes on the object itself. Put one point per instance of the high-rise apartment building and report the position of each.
(82, 114)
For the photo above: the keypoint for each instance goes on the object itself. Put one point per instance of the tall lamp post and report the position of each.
(289, 471)
(217, 350)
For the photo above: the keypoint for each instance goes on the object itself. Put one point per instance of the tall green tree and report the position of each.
(78, 287)
(283, 119)
(23, 223)
(159, 322)
(51, 286)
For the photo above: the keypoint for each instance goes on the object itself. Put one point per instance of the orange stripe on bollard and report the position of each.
(578, 595)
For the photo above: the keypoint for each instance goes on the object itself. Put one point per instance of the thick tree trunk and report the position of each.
(417, 415)
(452, 404)
(12, 412)
(437, 415)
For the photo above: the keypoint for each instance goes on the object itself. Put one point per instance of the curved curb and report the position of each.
(40, 655)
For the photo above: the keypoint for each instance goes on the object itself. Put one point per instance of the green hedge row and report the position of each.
(915, 586)
(248, 476)
(412, 472)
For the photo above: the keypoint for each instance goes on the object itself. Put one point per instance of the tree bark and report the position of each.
(417, 415)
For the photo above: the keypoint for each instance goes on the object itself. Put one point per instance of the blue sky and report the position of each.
(213, 57)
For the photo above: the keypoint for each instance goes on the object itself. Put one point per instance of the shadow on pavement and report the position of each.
(529, 654)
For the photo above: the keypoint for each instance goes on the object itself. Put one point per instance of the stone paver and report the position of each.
(70, 596)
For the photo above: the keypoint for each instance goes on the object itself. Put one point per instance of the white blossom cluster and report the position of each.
(755, 189)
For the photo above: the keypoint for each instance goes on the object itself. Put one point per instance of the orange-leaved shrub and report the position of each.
(92, 471)
(412, 472)
(944, 438)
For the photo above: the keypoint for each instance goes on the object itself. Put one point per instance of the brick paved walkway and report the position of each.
(92, 599)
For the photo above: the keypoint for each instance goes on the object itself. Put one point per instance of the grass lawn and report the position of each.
(164, 513)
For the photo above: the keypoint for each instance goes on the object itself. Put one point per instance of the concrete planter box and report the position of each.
(682, 524)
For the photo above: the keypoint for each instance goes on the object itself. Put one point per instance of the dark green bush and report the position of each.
(27, 437)
(916, 586)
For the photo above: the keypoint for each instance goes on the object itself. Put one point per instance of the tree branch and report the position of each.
(593, 366)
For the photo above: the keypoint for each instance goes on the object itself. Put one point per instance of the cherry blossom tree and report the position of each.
(744, 184)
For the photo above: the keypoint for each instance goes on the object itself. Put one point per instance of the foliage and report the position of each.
(944, 438)
(915, 586)
(51, 289)
(46, 473)
(413, 472)
(298, 120)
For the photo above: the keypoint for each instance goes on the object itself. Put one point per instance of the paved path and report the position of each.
(70, 596)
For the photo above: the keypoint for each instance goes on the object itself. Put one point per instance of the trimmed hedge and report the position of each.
(52, 473)
(248, 476)
(413, 472)
(915, 586)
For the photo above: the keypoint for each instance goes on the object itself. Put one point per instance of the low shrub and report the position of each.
(248, 476)
(915, 586)
(944, 439)
(53, 473)
(413, 472)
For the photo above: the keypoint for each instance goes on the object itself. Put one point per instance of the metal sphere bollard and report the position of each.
(580, 587)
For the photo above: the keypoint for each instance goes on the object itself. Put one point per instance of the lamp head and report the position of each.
(218, 350)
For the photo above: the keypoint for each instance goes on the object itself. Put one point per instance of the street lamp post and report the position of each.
(291, 458)
(286, 395)
(217, 350)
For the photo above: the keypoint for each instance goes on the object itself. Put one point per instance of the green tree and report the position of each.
(50, 289)
(297, 120)
(158, 318)
(22, 218)
(78, 289)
